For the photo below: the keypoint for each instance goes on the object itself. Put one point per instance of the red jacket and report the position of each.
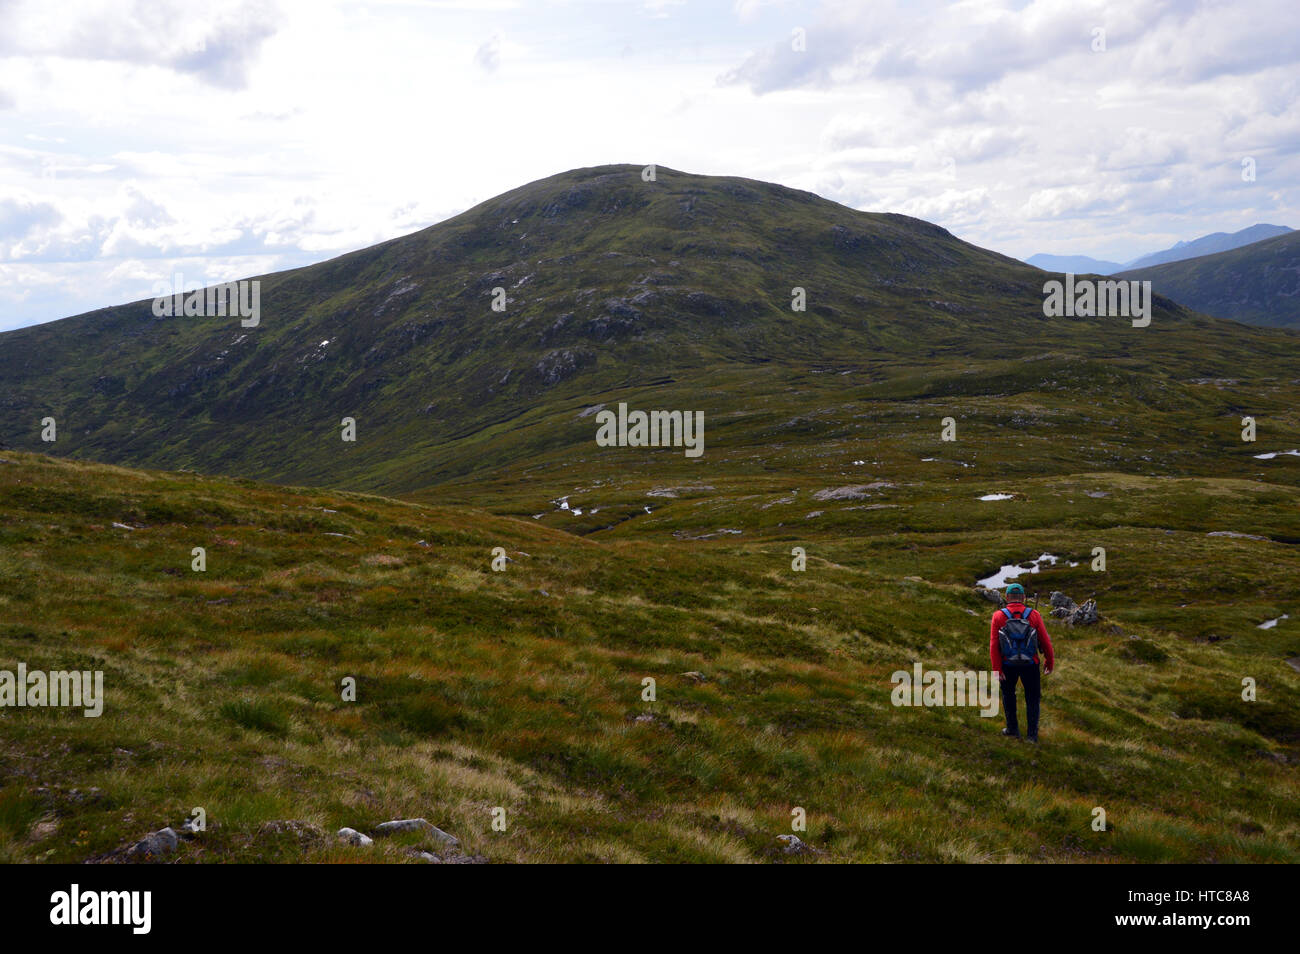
(1044, 641)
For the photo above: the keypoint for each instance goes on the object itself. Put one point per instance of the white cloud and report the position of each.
(488, 55)
(263, 135)
(218, 43)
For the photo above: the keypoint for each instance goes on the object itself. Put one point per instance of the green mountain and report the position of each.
(616, 288)
(1258, 283)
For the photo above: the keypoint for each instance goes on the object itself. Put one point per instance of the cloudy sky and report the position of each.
(227, 139)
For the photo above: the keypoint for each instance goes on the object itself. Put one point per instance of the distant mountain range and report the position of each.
(1078, 264)
(1180, 251)
(1258, 284)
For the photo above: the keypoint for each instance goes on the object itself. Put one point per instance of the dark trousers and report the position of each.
(1027, 674)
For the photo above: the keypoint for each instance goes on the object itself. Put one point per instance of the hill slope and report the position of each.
(522, 690)
(1258, 283)
(614, 284)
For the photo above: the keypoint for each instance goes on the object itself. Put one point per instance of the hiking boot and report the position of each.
(1011, 734)
(1033, 738)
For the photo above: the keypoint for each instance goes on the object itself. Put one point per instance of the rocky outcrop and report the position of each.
(852, 492)
(1064, 608)
(554, 366)
(161, 842)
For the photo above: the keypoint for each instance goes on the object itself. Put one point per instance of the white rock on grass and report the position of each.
(794, 845)
(402, 825)
(439, 835)
(354, 837)
(159, 843)
(851, 492)
(415, 824)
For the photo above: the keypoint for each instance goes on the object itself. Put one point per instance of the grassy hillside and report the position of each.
(613, 283)
(1258, 283)
(522, 689)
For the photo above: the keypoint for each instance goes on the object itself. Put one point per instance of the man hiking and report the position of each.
(1015, 636)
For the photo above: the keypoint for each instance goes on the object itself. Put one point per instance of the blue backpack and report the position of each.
(1018, 639)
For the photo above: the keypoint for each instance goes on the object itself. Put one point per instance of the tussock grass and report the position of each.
(522, 690)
